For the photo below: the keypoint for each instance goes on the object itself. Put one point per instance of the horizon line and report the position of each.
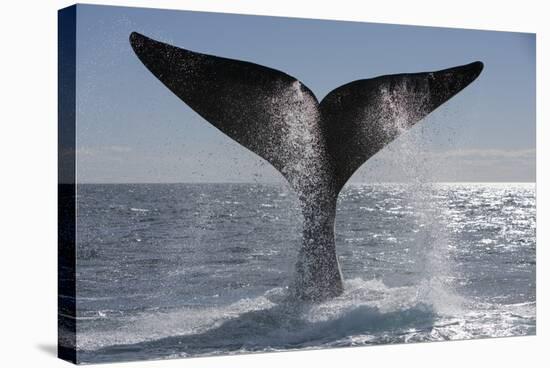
(279, 183)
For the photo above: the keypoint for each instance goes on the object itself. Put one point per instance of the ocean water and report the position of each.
(178, 270)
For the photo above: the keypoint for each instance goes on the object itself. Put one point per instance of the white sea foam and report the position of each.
(138, 209)
(364, 314)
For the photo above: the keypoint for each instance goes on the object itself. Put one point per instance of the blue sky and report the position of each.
(133, 129)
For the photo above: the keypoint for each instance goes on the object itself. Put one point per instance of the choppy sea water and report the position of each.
(175, 270)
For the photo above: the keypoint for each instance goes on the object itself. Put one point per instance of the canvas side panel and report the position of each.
(66, 317)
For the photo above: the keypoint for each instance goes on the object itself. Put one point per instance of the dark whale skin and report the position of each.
(317, 146)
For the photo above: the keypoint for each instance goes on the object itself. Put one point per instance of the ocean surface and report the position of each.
(177, 270)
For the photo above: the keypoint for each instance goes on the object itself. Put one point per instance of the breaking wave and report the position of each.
(369, 312)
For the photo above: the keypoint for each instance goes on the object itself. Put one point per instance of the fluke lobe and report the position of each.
(316, 146)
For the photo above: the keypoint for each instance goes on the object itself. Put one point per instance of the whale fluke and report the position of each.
(316, 146)
(244, 100)
(363, 116)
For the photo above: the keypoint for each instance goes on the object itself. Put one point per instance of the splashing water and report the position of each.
(428, 249)
(302, 148)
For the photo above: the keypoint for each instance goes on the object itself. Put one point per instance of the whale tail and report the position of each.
(316, 146)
